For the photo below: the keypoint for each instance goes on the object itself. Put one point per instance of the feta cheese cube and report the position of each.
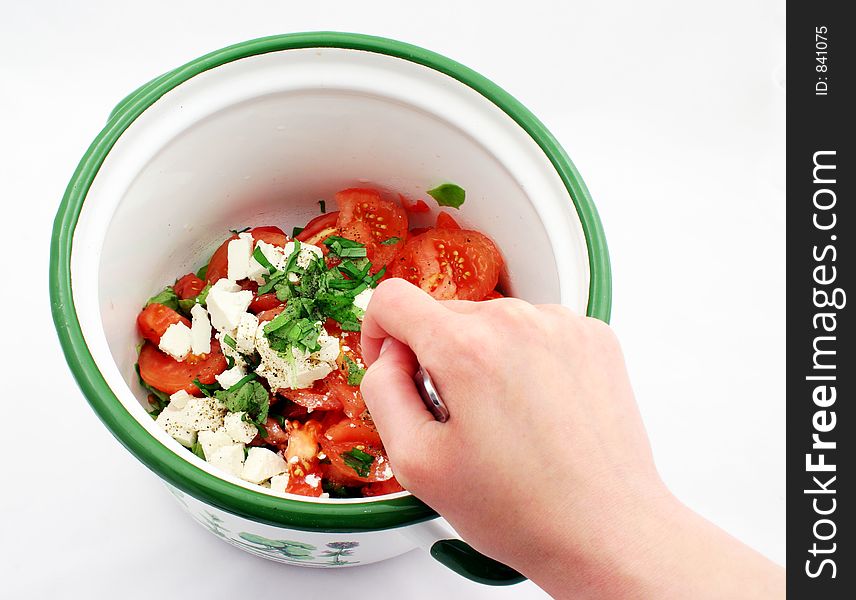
(202, 414)
(307, 253)
(329, 351)
(176, 341)
(246, 335)
(229, 458)
(278, 483)
(297, 374)
(262, 464)
(226, 307)
(212, 441)
(238, 256)
(238, 429)
(200, 330)
(171, 420)
(230, 377)
(361, 300)
(275, 256)
(224, 285)
(179, 399)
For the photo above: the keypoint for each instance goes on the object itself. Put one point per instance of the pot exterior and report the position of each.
(295, 547)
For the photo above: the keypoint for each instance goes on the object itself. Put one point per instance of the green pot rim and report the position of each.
(256, 506)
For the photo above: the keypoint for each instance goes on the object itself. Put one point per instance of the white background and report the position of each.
(674, 115)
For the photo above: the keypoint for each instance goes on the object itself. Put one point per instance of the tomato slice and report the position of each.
(317, 397)
(154, 320)
(218, 266)
(188, 286)
(356, 431)
(341, 471)
(166, 374)
(264, 302)
(302, 458)
(349, 396)
(319, 229)
(446, 221)
(379, 221)
(450, 264)
(379, 488)
(268, 315)
(410, 206)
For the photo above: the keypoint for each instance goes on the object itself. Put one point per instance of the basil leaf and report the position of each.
(355, 372)
(391, 241)
(359, 461)
(296, 231)
(448, 194)
(202, 272)
(157, 399)
(208, 389)
(230, 341)
(197, 450)
(263, 260)
(167, 297)
(249, 396)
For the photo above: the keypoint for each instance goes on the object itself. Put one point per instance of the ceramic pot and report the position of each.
(256, 134)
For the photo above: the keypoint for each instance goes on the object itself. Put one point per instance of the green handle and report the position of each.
(462, 559)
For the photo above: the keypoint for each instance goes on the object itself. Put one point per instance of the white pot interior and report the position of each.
(260, 140)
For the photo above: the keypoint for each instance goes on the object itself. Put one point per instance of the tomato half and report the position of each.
(218, 266)
(355, 431)
(154, 320)
(379, 488)
(379, 221)
(188, 286)
(168, 375)
(340, 471)
(446, 221)
(319, 229)
(450, 264)
(317, 397)
(350, 396)
(264, 302)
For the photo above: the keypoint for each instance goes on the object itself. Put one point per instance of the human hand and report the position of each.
(544, 463)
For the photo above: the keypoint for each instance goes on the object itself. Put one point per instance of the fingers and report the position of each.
(391, 395)
(401, 310)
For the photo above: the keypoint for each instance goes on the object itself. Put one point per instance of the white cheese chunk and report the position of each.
(238, 257)
(202, 414)
(307, 253)
(179, 399)
(226, 307)
(176, 341)
(200, 330)
(312, 480)
(224, 285)
(246, 335)
(230, 377)
(275, 256)
(171, 420)
(229, 458)
(303, 370)
(238, 429)
(212, 441)
(278, 483)
(262, 464)
(361, 300)
(227, 350)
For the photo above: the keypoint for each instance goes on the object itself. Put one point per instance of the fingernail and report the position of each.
(387, 342)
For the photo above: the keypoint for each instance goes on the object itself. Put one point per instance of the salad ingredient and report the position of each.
(168, 375)
(200, 330)
(448, 194)
(446, 221)
(154, 320)
(176, 341)
(367, 218)
(450, 264)
(188, 286)
(319, 229)
(227, 302)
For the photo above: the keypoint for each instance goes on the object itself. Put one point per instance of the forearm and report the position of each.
(661, 550)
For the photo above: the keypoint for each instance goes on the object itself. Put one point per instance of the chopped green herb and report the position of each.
(448, 194)
(202, 272)
(355, 372)
(323, 206)
(337, 490)
(230, 341)
(296, 231)
(239, 231)
(281, 420)
(167, 297)
(359, 461)
(263, 432)
(391, 241)
(209, 389)
(248, 396)
(263, 260)
(197, 450)
(230, 362)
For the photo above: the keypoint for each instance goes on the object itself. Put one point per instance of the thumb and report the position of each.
(392, 398)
